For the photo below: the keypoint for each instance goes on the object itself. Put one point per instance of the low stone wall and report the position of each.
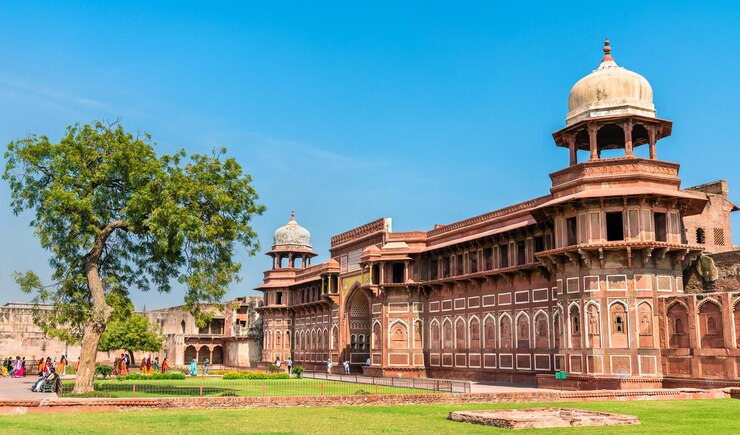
(102, 404)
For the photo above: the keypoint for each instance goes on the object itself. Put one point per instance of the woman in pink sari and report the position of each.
(17, 367)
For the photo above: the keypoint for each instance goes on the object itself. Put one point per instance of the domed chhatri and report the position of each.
(611, 108)
(292, 235)
(608, 91)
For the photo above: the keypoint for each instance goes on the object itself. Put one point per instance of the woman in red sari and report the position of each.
(149, 366)
(122, 370)
(165, 366)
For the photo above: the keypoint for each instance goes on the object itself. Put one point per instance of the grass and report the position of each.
(674, 417)
(218, 387)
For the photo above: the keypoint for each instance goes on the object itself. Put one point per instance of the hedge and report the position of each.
(152, 377)
(255, 375)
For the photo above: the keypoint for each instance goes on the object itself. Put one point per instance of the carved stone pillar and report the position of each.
(627, 127)
(652, 133)
(571, 139)
(592, 130)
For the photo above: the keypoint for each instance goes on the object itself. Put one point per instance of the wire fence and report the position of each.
(436, 385)
(205, 387)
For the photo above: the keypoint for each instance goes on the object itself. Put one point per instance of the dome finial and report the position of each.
(607, 52)
(292, 214)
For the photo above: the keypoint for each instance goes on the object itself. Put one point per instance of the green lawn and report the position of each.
(674, 417)
(220, 387)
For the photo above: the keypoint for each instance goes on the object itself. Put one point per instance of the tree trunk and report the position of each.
(101, 312)
(88, 355)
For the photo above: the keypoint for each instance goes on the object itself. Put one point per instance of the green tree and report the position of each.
(114, 216)
(130, 334)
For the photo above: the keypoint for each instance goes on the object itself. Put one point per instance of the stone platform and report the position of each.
(541, 418)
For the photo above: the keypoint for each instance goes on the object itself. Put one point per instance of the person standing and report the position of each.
(346, 367)
(155, 364)
(193, 368)
(149, 365)
(328, 366)
(165, 366)
(289, 364)
(206, 363)
(23, 366)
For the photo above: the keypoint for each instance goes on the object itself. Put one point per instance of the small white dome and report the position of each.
(608, 91)
(291, 235)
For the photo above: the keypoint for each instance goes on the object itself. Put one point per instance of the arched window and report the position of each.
(474, 327)
(522, 332)
(435, 335)
(399, 335)
(447, 334)
(489, 331)
(460, 334)
(506, 332)
(418, 336)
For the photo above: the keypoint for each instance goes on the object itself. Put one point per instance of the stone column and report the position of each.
(571, 139)
(593, 146)
(627, 127)
(652, 133)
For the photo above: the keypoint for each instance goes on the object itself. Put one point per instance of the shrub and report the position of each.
(70, 370)
(272, 368)
(298, 371)
(255, 375)
(103, 370)
(152, 377)
(90, 394)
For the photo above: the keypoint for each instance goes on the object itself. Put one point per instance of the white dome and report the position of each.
(291, 235)
(608, 91)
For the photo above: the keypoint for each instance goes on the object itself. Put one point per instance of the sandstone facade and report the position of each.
(588, 279)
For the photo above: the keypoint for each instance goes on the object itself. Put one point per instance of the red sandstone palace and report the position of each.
(610, 277)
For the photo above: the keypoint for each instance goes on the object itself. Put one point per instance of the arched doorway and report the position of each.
(190, 354)
(203, 353)
(358, 308)
(217, 356)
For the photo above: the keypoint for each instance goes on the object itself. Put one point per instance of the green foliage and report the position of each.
(255, 375)
(103, 370)
(114, 216)
(132, 333)
(272, 368)
(298, 371)
(152, 377)
(69, 369)
(361, 392)
(90, 394)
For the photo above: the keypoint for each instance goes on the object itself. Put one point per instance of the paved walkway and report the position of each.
(20, 389)
(494, 387)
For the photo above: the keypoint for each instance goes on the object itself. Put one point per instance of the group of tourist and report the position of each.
(17, 367)
(122, 364)
(194, 367)
(148, 366)
(288, 364)
(14, 367)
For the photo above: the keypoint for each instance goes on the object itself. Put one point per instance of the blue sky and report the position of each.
(424, 112)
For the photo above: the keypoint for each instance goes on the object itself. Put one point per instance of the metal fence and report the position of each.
(214, 387)
(436, 385)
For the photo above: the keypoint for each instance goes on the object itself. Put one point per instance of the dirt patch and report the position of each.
(541, 418)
